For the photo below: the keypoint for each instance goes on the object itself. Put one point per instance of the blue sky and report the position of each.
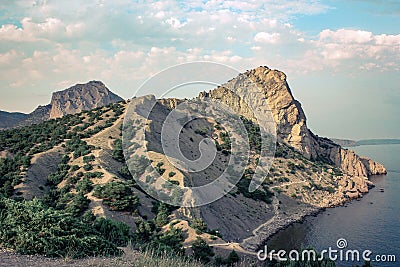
(342, 58)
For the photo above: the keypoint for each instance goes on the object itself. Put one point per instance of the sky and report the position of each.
(342, 58)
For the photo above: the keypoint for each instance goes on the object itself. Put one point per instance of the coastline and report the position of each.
(281, 221)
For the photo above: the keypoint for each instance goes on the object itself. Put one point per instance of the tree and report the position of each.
(233, 258)
(199, 225)
(116, 232)
(201, 250)
(117, 195)
(143, 232)
(118, 153)
(162, 215)
(78, 205)
(84, 185)
(170, 240)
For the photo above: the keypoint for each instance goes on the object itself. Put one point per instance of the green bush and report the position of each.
(87, 167)
(117, 195)
(169, 240)
(199, 225)
(55, 178)
(30, 227)
(202, 132)
(125, 173)
(90, 175)
(88, 159)
(78, 147)
(74, 168)
(138, 164)
(226, 142)
(330, 189)
(84, 186)
(9, 175)
(162, 215)
(118, 153)
(159, 169)
(118, 232)
(231, 260)
(253, 133)
(143, 232)
(202, 251)
(263, 195)
(78, 205)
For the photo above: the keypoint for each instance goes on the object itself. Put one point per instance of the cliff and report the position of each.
(290, 121)
(81, 97)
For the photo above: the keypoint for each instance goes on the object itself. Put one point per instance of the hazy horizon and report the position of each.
(341, 58)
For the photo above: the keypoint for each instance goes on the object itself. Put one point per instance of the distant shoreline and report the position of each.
(365, 142)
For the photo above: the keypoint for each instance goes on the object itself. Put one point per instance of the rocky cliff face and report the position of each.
(171, 103)
(81, 97)
(291, 121)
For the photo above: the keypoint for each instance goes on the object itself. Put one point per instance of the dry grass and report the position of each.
(131, 258)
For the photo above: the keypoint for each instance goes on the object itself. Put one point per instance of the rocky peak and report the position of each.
(81, 97)
(288, 113)
(291, 122)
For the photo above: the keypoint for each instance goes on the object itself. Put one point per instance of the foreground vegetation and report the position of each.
(30, 227)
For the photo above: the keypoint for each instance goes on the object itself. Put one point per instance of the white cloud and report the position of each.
(10, 57)
(160, 14)
(346, 36)
(51, 29)
(347, 51)
(122, 42)
(175, 23)
(10, 32)
(390, 40)
(336, 52)
(345, 44)
(267, 38)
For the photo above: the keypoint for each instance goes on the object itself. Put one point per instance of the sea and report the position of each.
(371, 223)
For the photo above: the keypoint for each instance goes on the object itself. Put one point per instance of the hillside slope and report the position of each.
(9, 119)
(75, 163)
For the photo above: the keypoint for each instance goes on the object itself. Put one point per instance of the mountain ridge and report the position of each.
(9, 119)
(74, 99)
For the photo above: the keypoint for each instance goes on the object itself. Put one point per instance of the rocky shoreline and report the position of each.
(282, 221)
(276, 224)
